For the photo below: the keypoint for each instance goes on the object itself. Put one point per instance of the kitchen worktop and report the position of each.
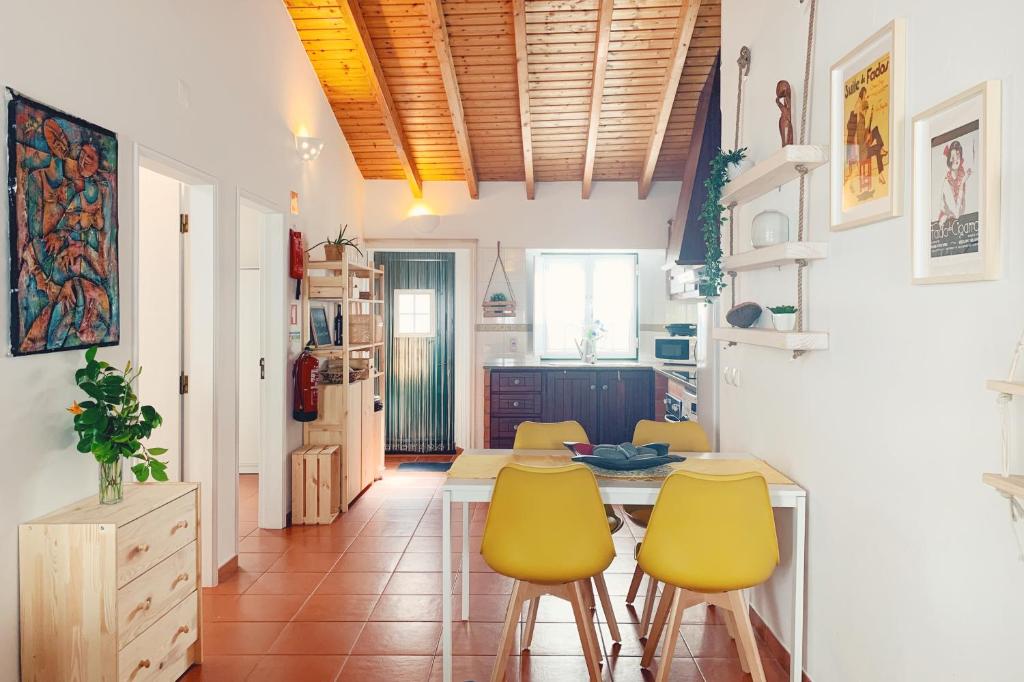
(536, 363)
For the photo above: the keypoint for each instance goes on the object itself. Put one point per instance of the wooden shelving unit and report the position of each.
(1007, 387)
(797, 342)
(346, 412)
(788, 253)
(781, 167)
(1009, 485)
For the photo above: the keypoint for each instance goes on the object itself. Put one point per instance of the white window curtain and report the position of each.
(574, 291)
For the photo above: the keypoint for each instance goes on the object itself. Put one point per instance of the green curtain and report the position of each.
(420, 370)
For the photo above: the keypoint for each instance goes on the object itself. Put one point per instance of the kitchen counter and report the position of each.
(535, 363)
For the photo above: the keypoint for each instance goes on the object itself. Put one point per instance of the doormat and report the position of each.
(425, 466)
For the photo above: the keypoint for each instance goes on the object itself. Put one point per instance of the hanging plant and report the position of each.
(711, 220)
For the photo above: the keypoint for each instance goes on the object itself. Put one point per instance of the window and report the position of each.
(573, 291)
(414, 312)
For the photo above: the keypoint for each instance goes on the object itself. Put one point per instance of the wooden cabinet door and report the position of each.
(624, 397)
(352, 467)
(572, 394)
(368, 424)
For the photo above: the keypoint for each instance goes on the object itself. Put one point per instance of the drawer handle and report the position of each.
(179, 525)
(144, 663)
(182, 630)
(515, 381)
(515, 427)
(179, 578)
(142, 606)
(141, 548)
(515, 403)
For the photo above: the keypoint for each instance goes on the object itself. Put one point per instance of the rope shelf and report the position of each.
(498, 303)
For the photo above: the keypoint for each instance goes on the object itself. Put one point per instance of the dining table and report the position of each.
(473, 473)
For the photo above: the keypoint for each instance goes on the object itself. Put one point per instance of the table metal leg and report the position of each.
(796, 661)
(446, 585)
(465, 561)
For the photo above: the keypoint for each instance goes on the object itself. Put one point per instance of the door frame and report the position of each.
(273, 481)
(202, 470)
(466, 302)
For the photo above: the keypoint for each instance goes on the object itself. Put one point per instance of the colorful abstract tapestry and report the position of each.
(63, 230)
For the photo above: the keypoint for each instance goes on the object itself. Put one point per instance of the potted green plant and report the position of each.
(112, 424)
(711, 219)
(783, 317)
(334, 249)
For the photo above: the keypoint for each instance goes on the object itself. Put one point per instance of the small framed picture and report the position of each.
(319, 330)
(866, 130)
(956, 192)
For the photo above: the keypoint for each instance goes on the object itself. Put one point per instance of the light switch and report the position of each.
(513, 344)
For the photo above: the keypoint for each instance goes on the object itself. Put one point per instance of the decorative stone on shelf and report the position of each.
(743, 315)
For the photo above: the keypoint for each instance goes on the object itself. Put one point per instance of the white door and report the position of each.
(250, 338)
(161, 307)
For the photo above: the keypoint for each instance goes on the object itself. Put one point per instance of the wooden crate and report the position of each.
(316, 492)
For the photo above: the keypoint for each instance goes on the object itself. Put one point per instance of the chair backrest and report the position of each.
(711, 533)
(548, 435)
(547, 525)
(680, 436)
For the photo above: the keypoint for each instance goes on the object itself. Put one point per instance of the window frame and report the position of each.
(589, 258)
(431, 314)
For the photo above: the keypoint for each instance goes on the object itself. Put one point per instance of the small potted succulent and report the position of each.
(334, 249)
(783, 317)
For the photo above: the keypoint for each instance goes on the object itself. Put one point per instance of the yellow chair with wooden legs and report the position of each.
(681, 437)
(551, 436)
(546, 529)
(709, 538)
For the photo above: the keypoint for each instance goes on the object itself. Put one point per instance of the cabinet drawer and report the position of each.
(150, 539)
(504, 428)
(525, 405)
(516, 382)
(162, 645)
(502, 443)
(152, 594)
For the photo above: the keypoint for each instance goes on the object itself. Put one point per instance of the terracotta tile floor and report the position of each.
(359, 600)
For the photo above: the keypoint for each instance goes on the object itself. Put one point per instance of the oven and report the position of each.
(681, 408)
(673, 409)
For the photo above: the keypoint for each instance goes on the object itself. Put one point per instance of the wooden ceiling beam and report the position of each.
(523, 78)
(687, 22)
(604, 34)
(439, 34)
(353, 16)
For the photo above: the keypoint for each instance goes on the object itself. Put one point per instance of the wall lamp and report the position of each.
(309, 148)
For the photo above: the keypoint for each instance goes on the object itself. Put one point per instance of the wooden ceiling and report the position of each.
(479, 90)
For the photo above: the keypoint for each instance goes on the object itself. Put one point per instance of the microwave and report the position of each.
(676, 349)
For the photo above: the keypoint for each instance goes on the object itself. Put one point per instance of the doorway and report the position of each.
(176, 219)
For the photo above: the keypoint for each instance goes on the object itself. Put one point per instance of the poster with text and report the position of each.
(954, 191)
(867, 97)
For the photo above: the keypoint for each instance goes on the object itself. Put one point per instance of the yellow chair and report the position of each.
(709, 538)
(551, 436)
(681, 437)
(546, 529)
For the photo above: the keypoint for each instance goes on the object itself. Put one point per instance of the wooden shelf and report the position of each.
(338, 265)
(1011, 485)
(794, 341)
(1009, 387)
(773, 172)
(366, 346)
(787, 253)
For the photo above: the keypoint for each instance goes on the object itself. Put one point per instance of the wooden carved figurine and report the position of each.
(784, 98)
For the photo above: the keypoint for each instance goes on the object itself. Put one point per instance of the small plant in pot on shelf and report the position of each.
(334, 249)
(783, 317)
(112, 424)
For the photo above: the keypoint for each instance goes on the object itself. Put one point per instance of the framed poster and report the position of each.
(866, 130)
(62, 191)
(319, 330)
(956, 190)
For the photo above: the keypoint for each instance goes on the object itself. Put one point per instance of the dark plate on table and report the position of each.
(634, 464)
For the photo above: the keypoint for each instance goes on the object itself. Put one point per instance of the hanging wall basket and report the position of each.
(499, 303)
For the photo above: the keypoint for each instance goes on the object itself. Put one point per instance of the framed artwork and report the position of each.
(866, 130)
(956, 192)
(319, 330)
(62, 191)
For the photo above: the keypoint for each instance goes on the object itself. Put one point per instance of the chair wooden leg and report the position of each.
(652, 596)
(667, 597)
(745, 635)
(531, 622)
(669, 647)
(606, 606)
(585, 625)
(634, 585)
(730, 627)
(588, 595)
(520, 593)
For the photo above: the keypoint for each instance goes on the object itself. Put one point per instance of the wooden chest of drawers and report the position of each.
(112, 593)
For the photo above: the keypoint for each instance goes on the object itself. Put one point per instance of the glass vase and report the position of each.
(111, 482)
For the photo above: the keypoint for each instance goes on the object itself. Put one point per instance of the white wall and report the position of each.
(912, 567)
(221, 86)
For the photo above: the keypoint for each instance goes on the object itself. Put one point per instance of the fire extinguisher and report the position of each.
(305, 376)
(295, 260)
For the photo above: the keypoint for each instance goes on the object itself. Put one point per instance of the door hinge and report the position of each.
(263, 368)
(183, 223)
(183, 384)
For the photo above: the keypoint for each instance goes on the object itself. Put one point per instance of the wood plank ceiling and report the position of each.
(487, 90)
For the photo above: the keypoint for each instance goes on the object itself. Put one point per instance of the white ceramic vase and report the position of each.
(784, 322)
(769, 228)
